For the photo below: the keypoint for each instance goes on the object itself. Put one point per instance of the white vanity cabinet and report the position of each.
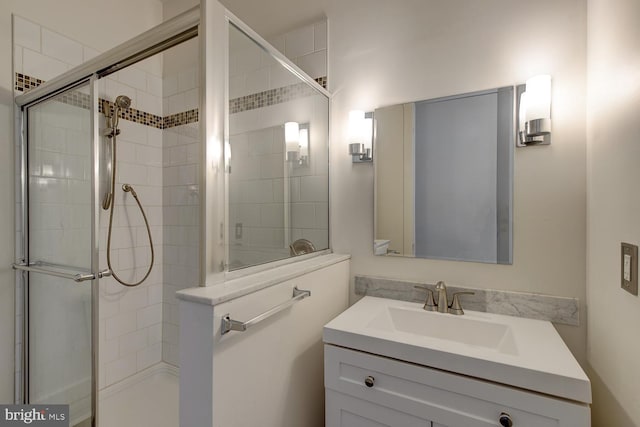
(403, 394)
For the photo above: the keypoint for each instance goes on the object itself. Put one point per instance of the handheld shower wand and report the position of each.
(121, 103)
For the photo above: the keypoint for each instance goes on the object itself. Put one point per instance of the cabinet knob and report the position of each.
(369, 381)
(505, 420)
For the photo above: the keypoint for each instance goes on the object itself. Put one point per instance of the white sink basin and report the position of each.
(520, 352)
(467, 329)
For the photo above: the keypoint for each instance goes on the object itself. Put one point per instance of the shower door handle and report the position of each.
(36, 267)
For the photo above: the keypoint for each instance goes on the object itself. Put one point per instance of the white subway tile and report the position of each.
(17, 59)
(154, 175)
(120, 369)
(134, 77)
(109, 349)
(272, 166)
(320, 35)
(149, 156)
(257, 81)
(268, 237)
(303, 215)
(134, 299)
(237, 86)
(187, 80)
(278, 190)
(150, 315)
(272, 215)
(40, 66)
(187, 174)
(281, 77)
(121, 324)
(108, 308)
(192, 99)
(245, 60)
(314, 64)
(322, 216)
(299, 42)
(319, 238)
(132, 173)
(149, 356)
(176, 103)
(314, 188)
(63, 48)
(154, 136)
(169, 333)
(154, 85)
(26, 33)
(149, 103)
(154, 334)
(132, 342)
(169, 86)
(170, 353)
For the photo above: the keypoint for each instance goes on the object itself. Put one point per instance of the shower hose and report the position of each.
(128, 189)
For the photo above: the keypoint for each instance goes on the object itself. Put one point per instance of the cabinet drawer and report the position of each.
(445, 398)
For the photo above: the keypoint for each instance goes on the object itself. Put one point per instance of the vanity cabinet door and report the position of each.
(346, 411)
(447, 399)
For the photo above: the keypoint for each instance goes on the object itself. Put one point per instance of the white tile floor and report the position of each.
(148, 398)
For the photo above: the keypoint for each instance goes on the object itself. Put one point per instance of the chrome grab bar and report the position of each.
(34, 267)
(229, 324)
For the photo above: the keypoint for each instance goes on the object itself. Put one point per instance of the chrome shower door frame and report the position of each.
(22, 237)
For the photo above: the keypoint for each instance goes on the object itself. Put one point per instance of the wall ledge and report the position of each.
(241, 286)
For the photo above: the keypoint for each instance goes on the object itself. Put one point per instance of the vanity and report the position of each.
(391, 363)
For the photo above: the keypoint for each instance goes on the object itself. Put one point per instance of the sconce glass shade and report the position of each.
(356, 124)
(292, 137)
(534, 111)
(304, 142)
(538, 99)
(522, 114)
(360, 136)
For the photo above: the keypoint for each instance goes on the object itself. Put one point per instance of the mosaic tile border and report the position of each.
(24, 83)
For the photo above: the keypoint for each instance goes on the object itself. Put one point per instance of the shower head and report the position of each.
(123, 102)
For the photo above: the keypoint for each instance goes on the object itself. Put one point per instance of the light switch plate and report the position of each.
(629, 268)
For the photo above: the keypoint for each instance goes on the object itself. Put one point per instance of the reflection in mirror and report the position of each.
(278, 167)
(444, 178)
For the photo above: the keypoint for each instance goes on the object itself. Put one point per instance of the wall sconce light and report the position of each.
(533, 109)
(296, 138)
(360, 136)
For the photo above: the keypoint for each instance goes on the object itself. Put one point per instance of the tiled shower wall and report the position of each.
(158, 153)
(130, 326)
(264, 95)
(182, 154)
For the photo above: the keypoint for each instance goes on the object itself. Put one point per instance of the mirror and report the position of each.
(444, 177)
(277, 159)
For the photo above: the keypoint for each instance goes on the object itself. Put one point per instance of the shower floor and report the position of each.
(148, 398)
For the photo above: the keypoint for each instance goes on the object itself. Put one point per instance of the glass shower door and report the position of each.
(59, 252)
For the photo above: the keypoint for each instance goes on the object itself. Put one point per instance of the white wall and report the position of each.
(383, 53)
(444, 48)
(80, 20)
(613, 206)
(275, 367)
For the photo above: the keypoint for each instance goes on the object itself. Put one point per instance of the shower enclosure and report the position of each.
(70, 307)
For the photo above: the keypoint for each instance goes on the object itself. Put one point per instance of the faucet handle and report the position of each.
(455, 307)
(429, 303)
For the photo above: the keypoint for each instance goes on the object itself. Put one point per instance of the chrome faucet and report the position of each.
(440, 304)
(443, 305)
